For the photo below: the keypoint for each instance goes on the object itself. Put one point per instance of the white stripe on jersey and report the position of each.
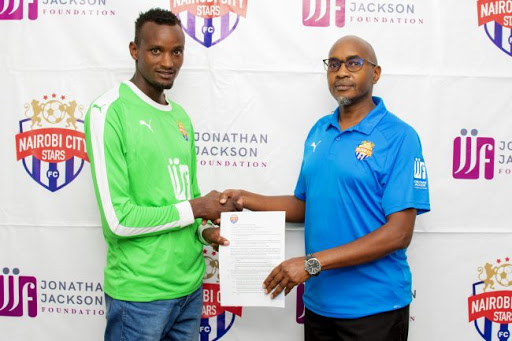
(97, 119)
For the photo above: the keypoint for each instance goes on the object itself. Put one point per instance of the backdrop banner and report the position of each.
(253, 84)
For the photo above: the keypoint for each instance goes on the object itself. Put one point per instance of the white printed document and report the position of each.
(256, 247)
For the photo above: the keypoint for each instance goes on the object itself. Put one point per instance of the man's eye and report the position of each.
(354, 62)
(178, 52)
(155, 50)
(334, 65)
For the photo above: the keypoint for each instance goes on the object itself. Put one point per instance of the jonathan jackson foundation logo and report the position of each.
(496, 16)
(50, 143)
(318, 13)
(18, 9)
(18, 294)
(209, 21)
(216, 320)
(490, 306)
(473, 156)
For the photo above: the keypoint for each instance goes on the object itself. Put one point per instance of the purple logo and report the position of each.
(472, 155)
(14, 9)
(300, 310)
(318, 13)
(209, 22)
(18, 294)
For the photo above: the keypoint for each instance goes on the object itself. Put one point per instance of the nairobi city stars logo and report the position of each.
(216, 320)
(473, 156)
(496, 17)
(51, 142)
(18, 9)
(18, 294)
(490, 306)
(209, 22)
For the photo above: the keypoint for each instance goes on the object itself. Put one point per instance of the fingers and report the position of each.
(279, 284)
(213, 237)
(285, 277)
(224, 197)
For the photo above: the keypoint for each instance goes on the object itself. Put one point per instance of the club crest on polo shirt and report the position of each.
(183, 131)
(364, 150)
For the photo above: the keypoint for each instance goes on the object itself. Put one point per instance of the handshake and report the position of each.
(210, 206)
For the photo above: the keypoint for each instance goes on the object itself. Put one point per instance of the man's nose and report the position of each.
(167, 60)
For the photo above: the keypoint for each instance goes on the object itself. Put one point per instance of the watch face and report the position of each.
(313, 266)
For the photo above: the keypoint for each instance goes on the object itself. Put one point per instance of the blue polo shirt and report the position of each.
(351, 180)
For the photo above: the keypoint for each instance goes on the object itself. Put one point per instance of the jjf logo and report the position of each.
(496, 16)
(18, 294)
(216, 320)
(490, 306)
(180, 179)
(473, 156)
(51, 142)
(16, 9)
(420, 174)
(318, 13)
(420, 170)
(211, 21)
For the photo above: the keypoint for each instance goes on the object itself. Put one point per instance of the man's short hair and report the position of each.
(156, 15)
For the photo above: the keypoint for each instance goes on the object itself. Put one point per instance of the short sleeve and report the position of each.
(406, 182)
(300, 188)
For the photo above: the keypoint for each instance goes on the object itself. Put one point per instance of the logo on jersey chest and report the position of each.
(182, 130)
(364, 150)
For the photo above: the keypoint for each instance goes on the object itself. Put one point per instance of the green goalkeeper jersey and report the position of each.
(143, 165)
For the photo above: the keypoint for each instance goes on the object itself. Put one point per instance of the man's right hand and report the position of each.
(209, 207)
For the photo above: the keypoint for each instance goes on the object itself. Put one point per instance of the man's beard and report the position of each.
(161, 86)
(343, 101)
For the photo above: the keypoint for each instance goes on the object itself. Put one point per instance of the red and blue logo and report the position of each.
(496, 17)
(209, 22)
(490, 306)
(51, 142)
(216, 320)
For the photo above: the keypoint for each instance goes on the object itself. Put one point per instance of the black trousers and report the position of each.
(388, 326)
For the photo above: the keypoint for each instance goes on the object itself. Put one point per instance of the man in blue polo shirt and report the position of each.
(362, 183)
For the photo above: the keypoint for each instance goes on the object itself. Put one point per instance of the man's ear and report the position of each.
(376, 74)
(133, 50)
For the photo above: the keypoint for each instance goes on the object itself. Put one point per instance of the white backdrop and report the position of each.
(259, 89)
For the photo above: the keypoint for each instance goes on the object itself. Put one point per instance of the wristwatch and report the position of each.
(312, 265)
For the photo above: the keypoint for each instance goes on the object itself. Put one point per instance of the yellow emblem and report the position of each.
(364, 150)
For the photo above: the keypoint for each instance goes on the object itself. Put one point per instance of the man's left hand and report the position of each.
(286, 276)
(212, 236)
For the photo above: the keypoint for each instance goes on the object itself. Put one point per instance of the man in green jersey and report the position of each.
(143, 162)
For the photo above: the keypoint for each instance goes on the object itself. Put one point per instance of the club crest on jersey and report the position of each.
(364, 150)
(183, 131)
(51, 142)
(209, 22)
